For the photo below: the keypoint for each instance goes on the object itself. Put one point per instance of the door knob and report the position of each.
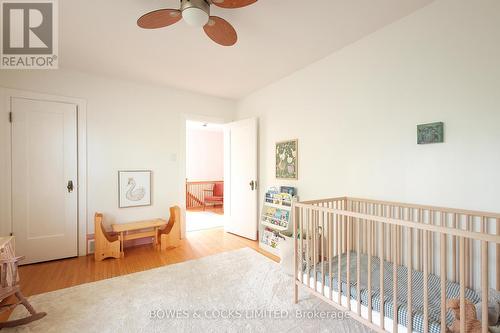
(70, 186)
(253, 185)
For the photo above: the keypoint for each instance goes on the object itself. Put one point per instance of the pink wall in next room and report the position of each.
(204, 154)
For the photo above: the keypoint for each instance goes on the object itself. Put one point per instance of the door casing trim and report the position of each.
(182, 158)
(6, 94)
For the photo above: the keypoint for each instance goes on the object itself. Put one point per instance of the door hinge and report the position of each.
(10, 117)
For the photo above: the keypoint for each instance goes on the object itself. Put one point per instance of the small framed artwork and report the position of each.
(134, 188)
(287, 157)
(430, 133)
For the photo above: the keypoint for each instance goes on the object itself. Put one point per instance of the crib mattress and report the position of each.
(434, 289)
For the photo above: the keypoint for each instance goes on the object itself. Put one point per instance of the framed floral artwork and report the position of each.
(430, 133)
(287, 157)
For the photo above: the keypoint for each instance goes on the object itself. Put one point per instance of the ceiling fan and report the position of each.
(197, 13)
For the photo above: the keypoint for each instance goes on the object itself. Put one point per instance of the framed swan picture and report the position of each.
(134, 188)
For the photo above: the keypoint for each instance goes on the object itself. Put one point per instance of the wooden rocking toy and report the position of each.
(9, 287)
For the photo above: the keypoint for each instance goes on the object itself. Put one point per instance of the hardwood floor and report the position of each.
(214, 209)
(49, 276)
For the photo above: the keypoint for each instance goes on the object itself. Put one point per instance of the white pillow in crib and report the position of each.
(493, 308)
(494, 329)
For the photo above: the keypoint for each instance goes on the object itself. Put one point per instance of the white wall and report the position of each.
(129, 126)
(204, 154)
(355, 112)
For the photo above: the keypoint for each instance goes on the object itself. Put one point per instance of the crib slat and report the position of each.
(344, 229)
(296, 221)
(373, 211)
(309, 240)
(348, 266)
(335, 231)
(467, 253)
(358, 267)
(374, 229)
(301, 255)
(375, 233)
(409, 255)
(454, 250)
(431, 242)
(390, 231)
(442, 264)
(484, 279)
(394, 285)
(364, 234)
(330, 253)
(419, 241)
(400, 230)
(462, 282)
(297, 249)
(400, 246)
(322, 223)
(498, 256)
(339, 258)
(400, 254)
(381, 266)
(426, 282)
(369, 227)
(315, 248)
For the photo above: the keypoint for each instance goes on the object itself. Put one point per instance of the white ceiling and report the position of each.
(276, 38)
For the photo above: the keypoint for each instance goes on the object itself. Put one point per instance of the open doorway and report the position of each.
(204, 176)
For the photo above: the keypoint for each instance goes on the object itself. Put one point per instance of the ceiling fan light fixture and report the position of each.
(195, 17)
(195, 12)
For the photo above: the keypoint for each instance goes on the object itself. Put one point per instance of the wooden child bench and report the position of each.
(135, 230)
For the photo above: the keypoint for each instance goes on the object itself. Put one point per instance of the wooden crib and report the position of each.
(428, 254)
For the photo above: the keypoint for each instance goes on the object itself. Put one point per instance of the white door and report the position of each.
(240, 178)
(44, 179)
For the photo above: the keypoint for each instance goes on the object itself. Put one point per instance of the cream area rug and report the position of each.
(237, 291)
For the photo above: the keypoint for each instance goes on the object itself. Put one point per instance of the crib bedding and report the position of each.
(434, 289)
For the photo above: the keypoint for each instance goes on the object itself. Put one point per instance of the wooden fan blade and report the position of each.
(233, 3)
(159, 18)
(220, 31)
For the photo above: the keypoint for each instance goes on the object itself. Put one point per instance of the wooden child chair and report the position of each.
(215, 196)
(106, 246)
(171, 234)
(9, 286)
